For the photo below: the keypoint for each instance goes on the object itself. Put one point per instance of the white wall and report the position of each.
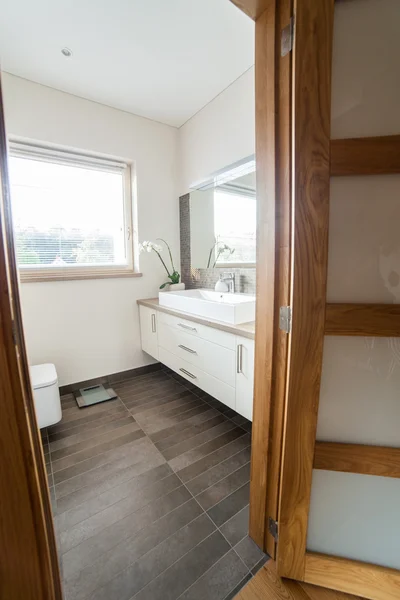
(222, 133)
(90, 328)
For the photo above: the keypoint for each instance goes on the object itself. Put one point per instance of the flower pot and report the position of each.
(174, 287)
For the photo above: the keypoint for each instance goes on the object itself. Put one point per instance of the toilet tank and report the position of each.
(46, 394)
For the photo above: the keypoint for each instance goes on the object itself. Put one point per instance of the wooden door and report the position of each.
(28, 564)
(339, 523)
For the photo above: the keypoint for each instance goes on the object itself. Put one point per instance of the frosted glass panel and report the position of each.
(365, 76)
(355, 516)
(360, 391)
(364, 239)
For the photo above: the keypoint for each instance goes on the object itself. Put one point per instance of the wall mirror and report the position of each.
(223, 219)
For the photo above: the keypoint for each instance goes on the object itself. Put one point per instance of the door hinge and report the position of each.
(273, 528)
(287, 38)
(285, 318)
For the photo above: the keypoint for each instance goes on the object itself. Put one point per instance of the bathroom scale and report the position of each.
(94, 394)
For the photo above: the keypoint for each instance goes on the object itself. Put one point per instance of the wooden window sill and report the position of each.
(46, 277)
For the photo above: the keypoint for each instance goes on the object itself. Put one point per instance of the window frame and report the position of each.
(58, 155)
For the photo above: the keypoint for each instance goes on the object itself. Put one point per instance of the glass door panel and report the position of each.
(355, 516)
(360, 391)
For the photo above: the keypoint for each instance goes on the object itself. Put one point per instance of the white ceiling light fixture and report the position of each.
(66, 52)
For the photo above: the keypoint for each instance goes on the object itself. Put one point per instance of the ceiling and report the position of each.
(161, 59)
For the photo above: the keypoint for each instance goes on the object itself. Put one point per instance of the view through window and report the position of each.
(235, 223)
(68, 215)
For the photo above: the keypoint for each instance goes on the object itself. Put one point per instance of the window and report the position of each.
(72, 214)
(235, 223)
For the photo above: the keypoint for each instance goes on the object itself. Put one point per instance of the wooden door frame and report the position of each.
(273, 171)
(315, 159)
(29, 563)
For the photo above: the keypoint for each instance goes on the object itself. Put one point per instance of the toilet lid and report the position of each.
(43, 375)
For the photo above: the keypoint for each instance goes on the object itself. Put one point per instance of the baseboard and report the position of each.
(110, 379)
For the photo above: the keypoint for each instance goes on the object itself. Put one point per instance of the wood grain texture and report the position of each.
(311, 179)
(381, 320)
(267, 585)
(252, 8)
(366, 156)
(357, 458)
(353, 577)
(282, 269)
(265, 308)
(29, 564)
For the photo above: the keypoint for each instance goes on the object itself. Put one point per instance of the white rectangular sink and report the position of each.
(226, 307)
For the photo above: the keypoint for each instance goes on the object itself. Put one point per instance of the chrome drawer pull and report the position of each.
(188, 374)
(187, 327)
(239, 359)
(153, 323)
(187, 349)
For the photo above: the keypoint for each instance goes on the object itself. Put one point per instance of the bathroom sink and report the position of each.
(225, 307)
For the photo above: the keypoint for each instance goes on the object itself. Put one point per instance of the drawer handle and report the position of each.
(187, 327)
(153, 323)
(188, 374)
(187, 349)
(239, 359)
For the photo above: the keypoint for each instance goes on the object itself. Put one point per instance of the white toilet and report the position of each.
(46, 394)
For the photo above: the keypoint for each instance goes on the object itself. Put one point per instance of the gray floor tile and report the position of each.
(237, 589)
(163, 402)
(125, 525)
(249, 552)
(198, 440)
(218, 581)
(95, 457)
(91, 549)
(129, 551)
(88, 434)
(117, 511)
(176, 580)
(118, 476)
(227, 508)
(215, 474)
(110, 464)
(170, 431)
(181, 462)
(115, 414)
(224, 487)
(87, 419)
(114, 430)
(130, 581)
(100, 502)
(237, 527)
(165, 421)
(188, 432)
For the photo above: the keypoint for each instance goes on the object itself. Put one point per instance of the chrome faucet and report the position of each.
(229, 279)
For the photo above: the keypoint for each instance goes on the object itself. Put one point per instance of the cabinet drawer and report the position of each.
(207, 356)
(213, 386)
(222, 338)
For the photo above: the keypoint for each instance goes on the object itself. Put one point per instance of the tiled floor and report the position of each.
(150, 494)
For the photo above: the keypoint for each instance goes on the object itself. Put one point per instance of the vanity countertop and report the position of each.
(246, 330)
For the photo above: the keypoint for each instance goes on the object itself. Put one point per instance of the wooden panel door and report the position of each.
(339, 524)
(28, 564)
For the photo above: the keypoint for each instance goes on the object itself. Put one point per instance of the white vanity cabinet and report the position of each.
(149, 330)
(244, 377)
(219, 362)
